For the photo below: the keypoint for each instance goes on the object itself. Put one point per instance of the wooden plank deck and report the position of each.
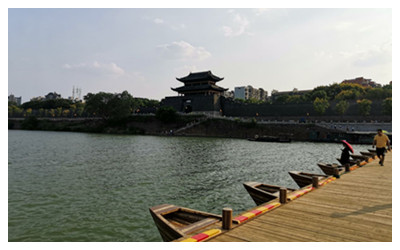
(355, 208)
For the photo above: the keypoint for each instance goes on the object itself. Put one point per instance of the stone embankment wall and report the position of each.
(239, 129)
(202, 126)
(301, 110)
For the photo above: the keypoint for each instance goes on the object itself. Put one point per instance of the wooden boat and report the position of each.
(304, 179)
(329, 169)
(174, 222)
(351, 162)
(262, 193)
(374, 151)
(369, 154)
(270, 139)
(360, 157)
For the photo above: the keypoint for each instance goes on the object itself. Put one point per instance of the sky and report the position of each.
(144, 50)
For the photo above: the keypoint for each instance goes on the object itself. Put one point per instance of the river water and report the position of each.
(66, 186)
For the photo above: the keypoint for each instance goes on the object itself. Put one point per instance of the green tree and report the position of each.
(388, 86)
(41, 112)
(357, 88)
(349, 94)
(32, 104)
(152, 103)
(48, 104)
(364, 106)
(239, 100)
(72, 109)
(59, 111)
(253, 100)
(79, 110)
(295, 99)
(14, 110)
(28, 112)
(320, 105)
(166, 114)
(341, 107)
(332, 90)
(10, 111)
(80, 107)
(52, 112)
(108, 105)
(66, 113)
(378, 93)
(321, 94)
(97, 104)
(387, 106)
(282, 99)
(144, 103)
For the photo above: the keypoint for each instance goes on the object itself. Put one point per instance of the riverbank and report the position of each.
(140, 125)
(199, 126)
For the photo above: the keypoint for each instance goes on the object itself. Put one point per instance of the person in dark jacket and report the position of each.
(345, 157)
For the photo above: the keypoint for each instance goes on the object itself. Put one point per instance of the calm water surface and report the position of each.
(95, 187)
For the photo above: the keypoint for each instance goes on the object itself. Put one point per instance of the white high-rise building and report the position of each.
(247, 92)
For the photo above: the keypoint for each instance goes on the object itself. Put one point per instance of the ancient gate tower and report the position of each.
(200, 94)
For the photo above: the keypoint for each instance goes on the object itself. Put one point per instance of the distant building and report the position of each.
(240, 93)
(199, 94)
(364, 82)
(263, 94)
(17, 100)
(247, 92)
(201, 83)
(275, 94)
(229, 94)
(52, 96)
(76, 94)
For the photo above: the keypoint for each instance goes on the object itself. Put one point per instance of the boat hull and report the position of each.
(303, 179)
(360, 157)
(351, 162)
(262, 193)
(330, 169)
(270, 139)
(174, 222)
(369, 154)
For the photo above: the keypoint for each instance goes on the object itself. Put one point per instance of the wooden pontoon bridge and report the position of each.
(356, 206)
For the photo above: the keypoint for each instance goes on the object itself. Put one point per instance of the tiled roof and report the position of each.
(200, 76)
(199, 88)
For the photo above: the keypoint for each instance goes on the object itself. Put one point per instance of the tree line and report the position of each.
(345, 92)
(102, 104)
(119, 105)
(341, 94)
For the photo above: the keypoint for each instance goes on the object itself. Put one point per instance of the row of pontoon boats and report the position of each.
(174, 222)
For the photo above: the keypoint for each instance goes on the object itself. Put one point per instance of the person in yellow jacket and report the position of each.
(381, 140)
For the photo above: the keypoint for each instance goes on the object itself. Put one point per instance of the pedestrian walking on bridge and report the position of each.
(380, 141)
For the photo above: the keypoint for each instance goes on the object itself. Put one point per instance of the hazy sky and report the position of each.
(144, 50)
